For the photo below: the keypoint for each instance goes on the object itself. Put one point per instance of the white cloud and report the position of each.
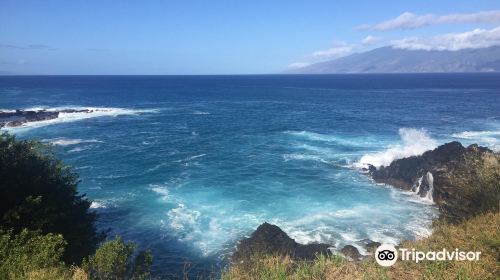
(339, 49)
(475, 39)
(370, 40)
(409, 20)
(297, 65)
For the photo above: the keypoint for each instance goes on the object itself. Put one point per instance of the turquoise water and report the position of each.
(188, 165)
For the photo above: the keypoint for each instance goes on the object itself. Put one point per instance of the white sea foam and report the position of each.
(288, 157)
(68, 142)
(195, 157)
(159, 189)
(191, 158)
(415, 142)
(487, 137)
(95, 205)
(346, 141)
(71, 117)
(200, 113)
(182, 218)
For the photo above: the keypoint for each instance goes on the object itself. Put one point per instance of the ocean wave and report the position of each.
(159, 189)
(415, 142)
(200, 113)
(345, 141)
(71, 117)
(191, 158)
(287, 157)
(79, 149)
(68, 142)
(487, 138)
(96, 205)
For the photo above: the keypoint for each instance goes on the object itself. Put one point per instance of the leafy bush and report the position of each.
(116, 260)
(38, 193)
(476, 189)
(30, 255)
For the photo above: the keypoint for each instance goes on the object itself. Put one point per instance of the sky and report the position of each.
(106, 37)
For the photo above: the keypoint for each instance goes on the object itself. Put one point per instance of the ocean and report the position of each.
(188, 165)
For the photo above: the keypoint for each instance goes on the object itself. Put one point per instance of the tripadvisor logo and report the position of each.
(387, 255)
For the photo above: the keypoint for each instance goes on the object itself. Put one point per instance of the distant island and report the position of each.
(393, 60)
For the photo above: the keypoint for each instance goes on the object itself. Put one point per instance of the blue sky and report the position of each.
(222, 37)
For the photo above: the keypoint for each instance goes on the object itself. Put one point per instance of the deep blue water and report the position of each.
(188, 165)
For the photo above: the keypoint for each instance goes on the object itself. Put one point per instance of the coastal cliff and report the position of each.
(462, 181)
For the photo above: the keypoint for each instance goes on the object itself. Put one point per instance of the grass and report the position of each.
(480, 233)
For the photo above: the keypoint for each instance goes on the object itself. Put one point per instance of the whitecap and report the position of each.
(159, 189)
(78, 149)
(346, 141)
(191, 158)
(288, 157)
(95, 205)
(200, 113)
(67, 142)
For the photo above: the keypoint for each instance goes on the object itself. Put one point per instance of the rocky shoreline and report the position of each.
(20, 117)
(461, 181)
(454, 177)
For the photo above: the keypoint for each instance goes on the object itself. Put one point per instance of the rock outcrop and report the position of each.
(461, 181)
(351, 252)
(270, 239)
(20, 117)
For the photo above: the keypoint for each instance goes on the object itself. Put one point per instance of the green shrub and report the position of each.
(116, 260)
(38, 193)
(27, 254)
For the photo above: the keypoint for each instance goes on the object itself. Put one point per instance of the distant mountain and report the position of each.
(390, 60)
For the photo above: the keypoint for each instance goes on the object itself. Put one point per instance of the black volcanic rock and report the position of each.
(270, 239)
(20, 117)
(370, 245)
(461, 181)
(351, 252)
(310, 251)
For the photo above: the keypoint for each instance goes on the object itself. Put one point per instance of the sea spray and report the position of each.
(415, 142)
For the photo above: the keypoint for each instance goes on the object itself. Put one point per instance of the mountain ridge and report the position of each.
(391, 60)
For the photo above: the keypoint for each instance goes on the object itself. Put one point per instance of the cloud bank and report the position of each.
(409, 20)
(370, 40)
(475, 39)
(337, 50)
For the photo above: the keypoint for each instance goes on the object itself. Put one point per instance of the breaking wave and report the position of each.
(415, 142)
(71, 117)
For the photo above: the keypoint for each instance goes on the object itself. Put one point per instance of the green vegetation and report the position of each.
(476, 188)
(30, 253)
(116, 260)
(476, 234)
(39, 194)
(46, 228)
